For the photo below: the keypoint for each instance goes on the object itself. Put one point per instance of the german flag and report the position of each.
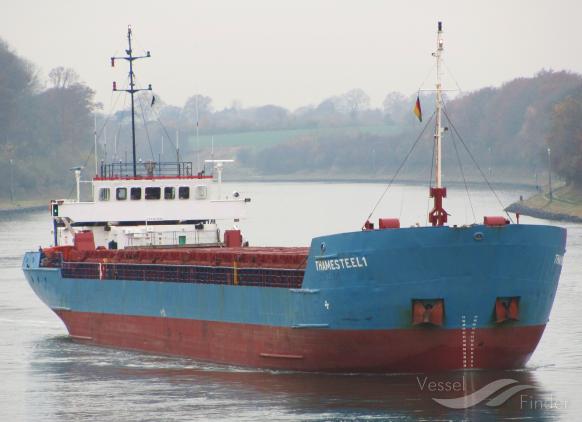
(417, 109)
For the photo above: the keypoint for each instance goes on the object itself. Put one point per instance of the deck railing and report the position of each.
(147, 169)
(263, 277)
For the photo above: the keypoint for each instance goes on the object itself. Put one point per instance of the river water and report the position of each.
(44, 376)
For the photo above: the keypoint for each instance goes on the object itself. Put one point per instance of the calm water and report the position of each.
(45, 376)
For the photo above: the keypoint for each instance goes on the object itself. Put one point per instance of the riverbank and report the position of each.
(565, 205)
(22, 206)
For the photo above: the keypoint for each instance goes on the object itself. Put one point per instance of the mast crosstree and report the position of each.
(132, 89)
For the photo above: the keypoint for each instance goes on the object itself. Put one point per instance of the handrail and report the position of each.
(148, 169)
(198, 274)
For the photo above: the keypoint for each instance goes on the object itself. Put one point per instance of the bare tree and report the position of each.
(395, 106)
(61, 77)
(355, 101)
(197, 107)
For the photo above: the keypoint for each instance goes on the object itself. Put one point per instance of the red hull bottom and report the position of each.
(403, 350)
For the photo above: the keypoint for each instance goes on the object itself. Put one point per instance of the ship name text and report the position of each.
(341, 263)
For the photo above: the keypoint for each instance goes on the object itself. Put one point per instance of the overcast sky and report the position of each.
(294, 52)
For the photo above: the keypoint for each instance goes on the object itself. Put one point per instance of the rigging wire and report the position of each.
(117, 140)
(145, 125)
(119, 127)
(160, 123)
(463, 175)
(452, 76)
(99, 132)
(157, 116)
(430, 182)
(426, 77)
(165, 131)
(475, 163)
(401, 166)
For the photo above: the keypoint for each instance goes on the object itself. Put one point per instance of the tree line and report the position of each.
(565, 138)
(47, 127)
(507, 128)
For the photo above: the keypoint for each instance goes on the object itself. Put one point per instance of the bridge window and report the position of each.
(153, 193)
(169, 192)
(201, 192)
(104, 194)
(184, 192)
(121, 194)
(135, 193)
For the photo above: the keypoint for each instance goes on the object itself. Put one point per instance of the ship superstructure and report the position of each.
(148, 204)
(164, 205)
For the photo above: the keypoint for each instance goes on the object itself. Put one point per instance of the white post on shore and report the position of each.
(95, 140)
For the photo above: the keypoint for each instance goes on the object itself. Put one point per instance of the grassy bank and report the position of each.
(565, 204)
(266, 138)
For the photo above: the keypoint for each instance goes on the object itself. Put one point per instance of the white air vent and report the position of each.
(201, 192)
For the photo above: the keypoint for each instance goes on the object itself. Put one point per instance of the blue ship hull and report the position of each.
(429, 298)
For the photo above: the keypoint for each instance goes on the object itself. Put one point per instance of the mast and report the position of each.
(132, 90)
(438, 216)
(197, 141)
(438, 128)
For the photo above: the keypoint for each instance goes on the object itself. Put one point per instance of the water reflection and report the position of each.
(88, 380)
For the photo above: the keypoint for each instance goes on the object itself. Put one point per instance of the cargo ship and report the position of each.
(155, 262)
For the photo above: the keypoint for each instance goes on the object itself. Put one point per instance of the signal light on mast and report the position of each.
(112, 61)
(114, 86)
